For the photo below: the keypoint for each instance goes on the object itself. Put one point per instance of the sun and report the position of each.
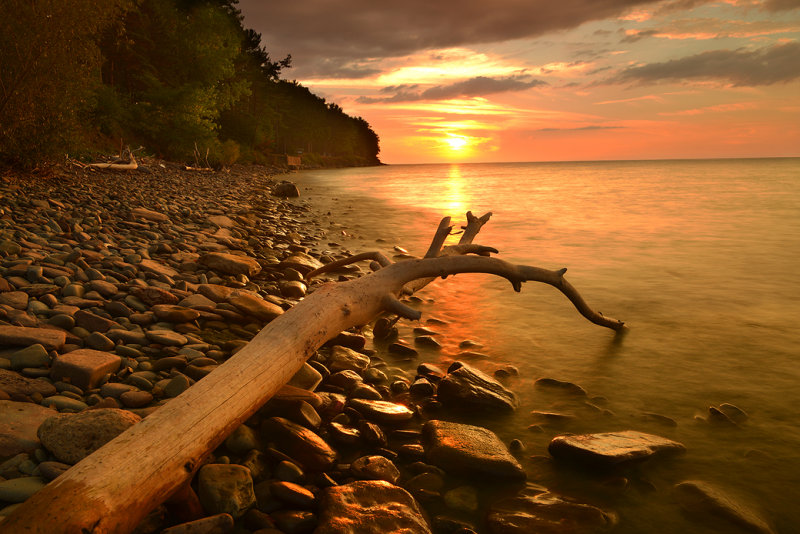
(456, 142)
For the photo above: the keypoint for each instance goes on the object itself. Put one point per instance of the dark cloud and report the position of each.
(477, 86)
(324, 36)
(766, 66)
(781, 5)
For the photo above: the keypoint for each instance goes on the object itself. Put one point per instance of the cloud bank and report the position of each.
(766, 66)
(325, 36)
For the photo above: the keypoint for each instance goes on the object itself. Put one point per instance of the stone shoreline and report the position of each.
(119, 290)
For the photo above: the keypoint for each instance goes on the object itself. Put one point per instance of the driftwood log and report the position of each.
(114, 488)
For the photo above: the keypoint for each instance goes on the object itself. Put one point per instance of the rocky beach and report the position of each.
(120, 290)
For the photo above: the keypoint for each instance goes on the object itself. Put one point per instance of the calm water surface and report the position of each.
(698, 257)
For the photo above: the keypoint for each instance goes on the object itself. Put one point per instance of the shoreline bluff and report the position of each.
(119, 290)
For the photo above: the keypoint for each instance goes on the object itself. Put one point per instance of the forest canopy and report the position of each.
(173, 76)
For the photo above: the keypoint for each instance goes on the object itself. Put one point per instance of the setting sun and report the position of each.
(456, 142)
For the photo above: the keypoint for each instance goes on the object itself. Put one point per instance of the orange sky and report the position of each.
(471, 80)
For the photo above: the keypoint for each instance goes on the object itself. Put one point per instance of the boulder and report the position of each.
(72, 437)
(612, 448)
(369, 506)
(285, 189)
(469, 450)
(466, 388)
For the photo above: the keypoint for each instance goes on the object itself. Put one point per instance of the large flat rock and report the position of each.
(84, 368)
(368, 506)
(16, 384)
(23, 336)
(469, 450)
(19, 422)
(612, 448)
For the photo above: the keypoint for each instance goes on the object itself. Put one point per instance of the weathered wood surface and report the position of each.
(113, 489)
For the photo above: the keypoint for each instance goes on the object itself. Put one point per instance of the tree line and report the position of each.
(177, 77)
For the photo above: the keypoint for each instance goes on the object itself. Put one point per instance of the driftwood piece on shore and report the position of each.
(114, 488)
(130, 165)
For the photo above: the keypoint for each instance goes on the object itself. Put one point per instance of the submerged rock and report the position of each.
(369, 506)
(546, 513)
(470, 450)
(612, 448)
(704, 500)
(466, 388)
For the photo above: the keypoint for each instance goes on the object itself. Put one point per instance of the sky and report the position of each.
(540, 80)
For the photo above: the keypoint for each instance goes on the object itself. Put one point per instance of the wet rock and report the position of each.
(381, 411)
(256, 306)
(72, 437)
(84, 368)
(369, 506)
(375, 468)
(717, 416)
(706, 501)
(466, 388)
(545, 512)
(300, 262)
(467, 449)
(16, 336)
(292, 494)
(343, 358)
(612, 448)
(302, 444)
(223, 262)
(19, 422)
(225, 489)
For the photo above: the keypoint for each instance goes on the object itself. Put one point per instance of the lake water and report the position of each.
(699, 258)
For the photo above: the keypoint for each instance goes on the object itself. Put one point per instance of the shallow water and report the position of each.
(698, 257)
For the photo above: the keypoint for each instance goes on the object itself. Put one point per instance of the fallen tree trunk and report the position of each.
(113, 489)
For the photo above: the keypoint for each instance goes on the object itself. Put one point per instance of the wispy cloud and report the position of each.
(473, 87)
